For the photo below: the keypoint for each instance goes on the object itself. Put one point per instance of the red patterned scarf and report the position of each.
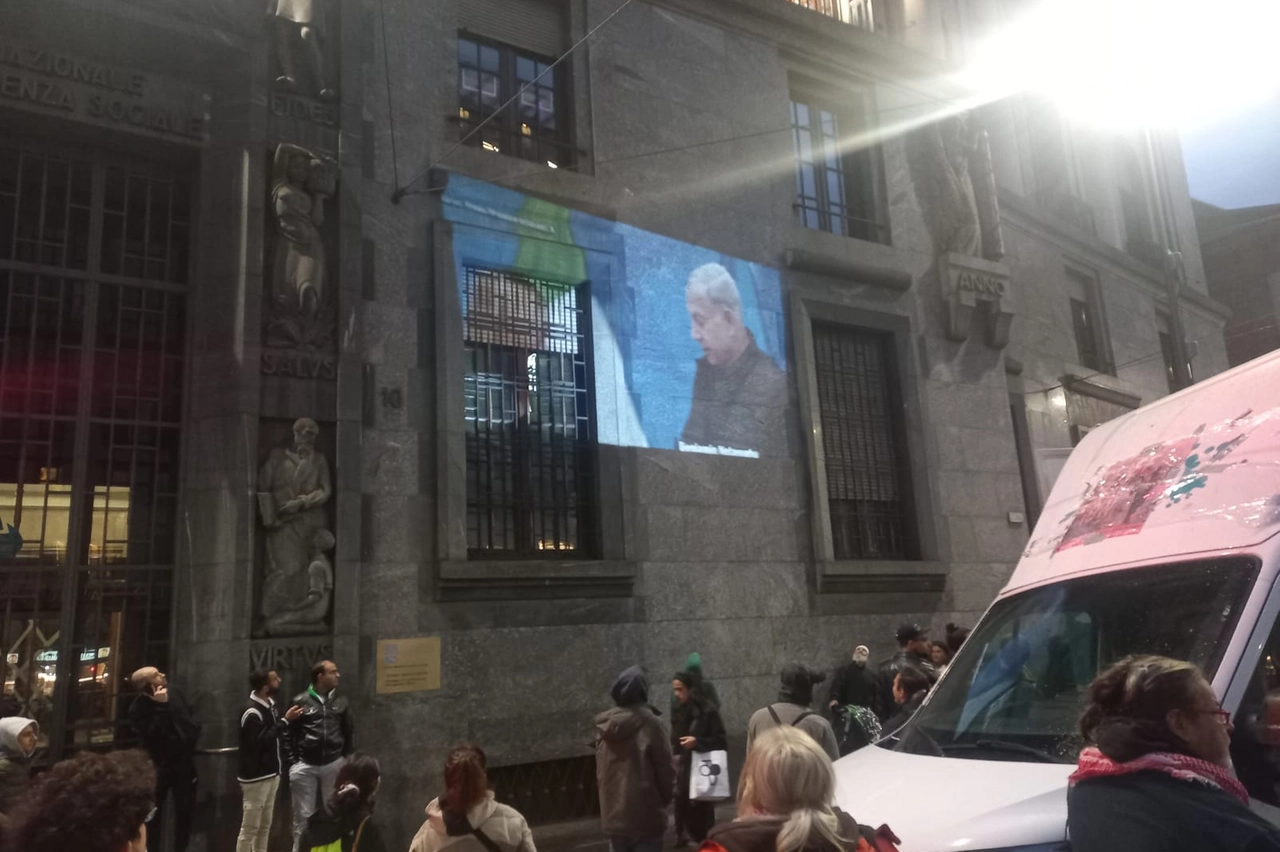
(1095, 764)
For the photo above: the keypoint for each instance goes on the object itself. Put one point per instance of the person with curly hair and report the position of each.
(90, 803)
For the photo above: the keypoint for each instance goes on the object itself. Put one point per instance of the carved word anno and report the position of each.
(979, 283)
(300, 365)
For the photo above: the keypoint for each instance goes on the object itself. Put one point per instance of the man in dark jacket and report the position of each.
(853, 684)
(261, 758)
(852, 699)
(739, 393)
(913, 650)
(163, 720)
(317, 741)
(633, 768)
(910, 689)
(792, 708)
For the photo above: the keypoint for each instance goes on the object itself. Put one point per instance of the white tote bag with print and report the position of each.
(709, 781)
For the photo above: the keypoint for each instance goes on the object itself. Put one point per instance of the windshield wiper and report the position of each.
(1000, 745)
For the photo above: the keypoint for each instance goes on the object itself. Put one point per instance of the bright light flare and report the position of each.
(1123, 63)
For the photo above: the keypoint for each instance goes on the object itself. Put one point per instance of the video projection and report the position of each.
(684, 347)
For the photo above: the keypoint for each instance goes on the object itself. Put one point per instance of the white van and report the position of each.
(1160, 537)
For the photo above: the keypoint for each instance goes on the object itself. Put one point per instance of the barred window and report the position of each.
(862, 439)
(528, 415)
(839, 185)
(94, 253)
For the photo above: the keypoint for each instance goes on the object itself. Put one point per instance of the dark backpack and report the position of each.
(774, 713)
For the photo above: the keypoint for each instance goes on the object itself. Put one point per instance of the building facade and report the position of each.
(1243, 270)
(491, 346)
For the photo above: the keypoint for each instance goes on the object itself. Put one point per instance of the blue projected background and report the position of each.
(645, 358)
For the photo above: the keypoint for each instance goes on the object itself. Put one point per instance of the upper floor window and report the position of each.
(1054, 171)
(839, 183)
(860, 13)
(1086, 322)
(862, 443)
(535, 126)
(1168, 356)
(528, 417)
(1135, 210)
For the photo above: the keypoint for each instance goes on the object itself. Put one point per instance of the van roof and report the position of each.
(1192, 472)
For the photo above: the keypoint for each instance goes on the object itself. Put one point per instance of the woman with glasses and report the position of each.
(1157, 774)
(90, 803)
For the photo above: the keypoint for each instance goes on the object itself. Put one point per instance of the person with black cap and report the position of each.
(792, 710)
(913, 651)
(633, 768)
(695, 726)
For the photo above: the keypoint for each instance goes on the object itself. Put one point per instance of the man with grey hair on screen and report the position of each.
(739, 394)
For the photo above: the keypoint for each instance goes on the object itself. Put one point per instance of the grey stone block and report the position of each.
(998, 540)
(390, 462)
(729, 647)
(974, 586)
(678, 592)
(389, 598)
(990, 449)
(964, 539)
(391, 334)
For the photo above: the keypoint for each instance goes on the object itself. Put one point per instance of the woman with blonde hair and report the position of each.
(785, 803)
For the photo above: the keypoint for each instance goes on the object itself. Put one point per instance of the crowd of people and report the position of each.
(1156, 774)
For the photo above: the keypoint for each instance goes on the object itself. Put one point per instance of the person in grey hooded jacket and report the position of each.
(792, 709)
(633, 768)
(17, 748)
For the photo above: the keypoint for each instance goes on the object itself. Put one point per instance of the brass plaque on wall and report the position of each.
(408, 665)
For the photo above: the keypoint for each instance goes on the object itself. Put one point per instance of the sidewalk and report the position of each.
(585, 836)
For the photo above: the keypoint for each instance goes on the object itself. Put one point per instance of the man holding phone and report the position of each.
(163, 720)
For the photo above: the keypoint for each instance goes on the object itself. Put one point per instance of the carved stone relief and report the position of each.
(300, 312)
(955, 183)
(294, 488)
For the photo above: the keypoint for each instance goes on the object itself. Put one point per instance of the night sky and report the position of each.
(1236, 161)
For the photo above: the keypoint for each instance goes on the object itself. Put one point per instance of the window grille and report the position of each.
(862, 441)
(528, 414)
(94, 253)
(549, 790)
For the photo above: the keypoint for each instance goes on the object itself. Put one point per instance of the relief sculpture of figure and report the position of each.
(962, 182)
(302, 183)
(300, 31)
(293, 487)
(308, 615)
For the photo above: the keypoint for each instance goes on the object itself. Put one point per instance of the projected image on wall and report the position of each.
(682, 347)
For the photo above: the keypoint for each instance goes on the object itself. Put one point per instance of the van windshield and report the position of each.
(1015, 691)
